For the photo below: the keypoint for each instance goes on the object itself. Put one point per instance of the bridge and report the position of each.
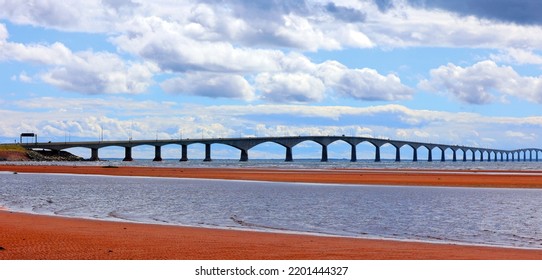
(288, 142)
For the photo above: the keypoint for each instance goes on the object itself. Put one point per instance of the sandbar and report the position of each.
(29, 236)
(402, 177)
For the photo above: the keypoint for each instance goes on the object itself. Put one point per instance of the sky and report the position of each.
(464, 72)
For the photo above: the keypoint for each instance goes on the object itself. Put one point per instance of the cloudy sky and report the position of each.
(458, 72)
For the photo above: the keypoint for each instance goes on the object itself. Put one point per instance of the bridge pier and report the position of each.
(464, 155)
(397, 154)
(481, 156)
(454, 158)
(157, 153)
(207, 152)
(473, 156)
(415, 154)
(353, 154)
(127, 154)
(184, 153)
(442, 156)
(244, 155)
(289, 156)
(377, 153)
(324, 153)
(430, 155)
(94, 154)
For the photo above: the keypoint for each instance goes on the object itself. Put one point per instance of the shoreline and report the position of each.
(395, 177)
(39, 237)
(34, 236)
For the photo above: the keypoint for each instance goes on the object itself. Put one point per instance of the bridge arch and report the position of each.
(392, 149)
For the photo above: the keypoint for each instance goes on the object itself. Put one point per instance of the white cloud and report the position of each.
(210, 85)
(483, 82)
(521, 135)
(405, 25)
(517, 56)
(363, 84)
(83, 72)
(23, 77)
(121, 117)
(97, 73)
(3, 33)
(303, 25)
(291, 87)
(46, 12)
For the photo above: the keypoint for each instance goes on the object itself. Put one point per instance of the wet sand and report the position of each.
(25, 236)
(28, 236)
(405, 177)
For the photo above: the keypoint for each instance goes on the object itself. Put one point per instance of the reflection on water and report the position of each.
(503, 217)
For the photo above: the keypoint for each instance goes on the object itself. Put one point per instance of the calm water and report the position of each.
(503, 217)
(309, 163)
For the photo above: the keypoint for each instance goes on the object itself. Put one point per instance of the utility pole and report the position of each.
(131, 128)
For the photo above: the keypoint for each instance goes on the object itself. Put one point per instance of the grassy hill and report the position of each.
(12, 152)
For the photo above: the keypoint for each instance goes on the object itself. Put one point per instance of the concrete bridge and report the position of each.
(459, 153)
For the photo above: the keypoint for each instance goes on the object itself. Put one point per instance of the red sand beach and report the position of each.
(28, 236)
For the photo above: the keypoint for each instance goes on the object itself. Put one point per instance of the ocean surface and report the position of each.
(493, 217)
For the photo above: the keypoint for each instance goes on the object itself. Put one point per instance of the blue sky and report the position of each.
(459, 72)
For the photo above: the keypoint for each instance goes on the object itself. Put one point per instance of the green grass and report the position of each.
(12, 148)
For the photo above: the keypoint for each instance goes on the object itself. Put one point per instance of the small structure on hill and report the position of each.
(28, 135)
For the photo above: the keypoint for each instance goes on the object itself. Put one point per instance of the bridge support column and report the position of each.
(244, 155)
(464, 156)
(157, 153)
(94, 154)
(473, 156)
(430, 155)
(442, 156)
(207, 152)
(128, 154)
(397, 154)
(354, 156)
(377, 153)
(415, 155)
(289, 156)
(530, 155)
(324, 153)
(536, 155)
(454, 156)
(184, 153)
(481, 156)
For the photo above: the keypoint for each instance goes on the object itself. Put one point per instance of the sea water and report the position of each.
(493, 217)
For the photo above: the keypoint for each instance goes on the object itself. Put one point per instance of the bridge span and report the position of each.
(288, 142)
